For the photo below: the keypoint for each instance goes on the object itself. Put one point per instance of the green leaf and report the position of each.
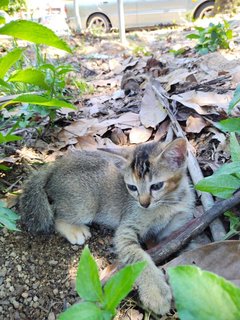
(235, 100)
(88, 284)
(31, 76)
(4, 4)
(202, 295)
(82, 311)
(8, 218)
(40, 100)
(228, 168)
(34, 32)
(221, 186)
(4, 168)
(2, 20)
(9, 138)
(234, 147)
(229, 125)
(120, 285)
(192, 36)
(7, 61)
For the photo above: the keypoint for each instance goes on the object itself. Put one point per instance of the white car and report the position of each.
(145, 13)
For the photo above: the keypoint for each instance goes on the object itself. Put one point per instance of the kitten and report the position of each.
(138, 191)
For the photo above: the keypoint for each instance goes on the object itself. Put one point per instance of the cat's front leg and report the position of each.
(154, 292)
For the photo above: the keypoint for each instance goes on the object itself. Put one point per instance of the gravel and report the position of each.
(37, 274)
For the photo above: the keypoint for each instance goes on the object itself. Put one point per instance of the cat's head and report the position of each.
(153, 174)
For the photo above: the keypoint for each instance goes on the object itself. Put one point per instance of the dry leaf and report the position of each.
(118, 136)
(195, 124)
(222, 258)
(203, 102)
(152, 112)
(139, 134)
(174, 77)
(86, 143)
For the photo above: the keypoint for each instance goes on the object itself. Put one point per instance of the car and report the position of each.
(145, 13)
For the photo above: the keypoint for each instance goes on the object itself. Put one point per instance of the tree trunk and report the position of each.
(225, 6)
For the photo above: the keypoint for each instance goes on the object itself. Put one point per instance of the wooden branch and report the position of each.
(217, 229)
(193, 228)
(182, 236)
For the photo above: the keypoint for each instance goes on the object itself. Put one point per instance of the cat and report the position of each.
(138, 191)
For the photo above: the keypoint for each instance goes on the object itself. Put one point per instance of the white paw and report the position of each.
(74, 234)
(155, 293)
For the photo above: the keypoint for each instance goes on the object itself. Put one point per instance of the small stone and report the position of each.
(35, 298)
(41, 262)
(75, 248)
(25, 295)
(51, 316)
(11, 289)
(52, 262)
(15, 304)
(55, 291)
(19, 268)
(35, 305)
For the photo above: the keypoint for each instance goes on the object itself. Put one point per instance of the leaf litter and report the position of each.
(112, 116)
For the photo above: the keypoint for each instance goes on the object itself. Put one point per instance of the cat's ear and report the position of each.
(123, 156)
(174, 154)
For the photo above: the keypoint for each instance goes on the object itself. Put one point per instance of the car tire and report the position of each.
(204, 10)
(98, 20)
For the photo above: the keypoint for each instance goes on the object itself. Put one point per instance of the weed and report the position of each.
(212, 38)
(100, 303)
(141, 51)
(8, 218)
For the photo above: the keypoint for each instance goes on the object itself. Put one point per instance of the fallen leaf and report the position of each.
(177, 76)
(118, 136)
(139, 134)
(86, 143)
(204, 102)
(222, 258)
(195, 124)
(152, 112)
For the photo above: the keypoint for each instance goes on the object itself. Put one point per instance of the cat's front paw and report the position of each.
(154, 292)
(74, 234)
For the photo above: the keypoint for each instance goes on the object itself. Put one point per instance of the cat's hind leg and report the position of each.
(75, 234)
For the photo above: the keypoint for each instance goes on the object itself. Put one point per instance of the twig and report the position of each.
(217, 229)
(193, 228)
(205, 84)
(183, 235)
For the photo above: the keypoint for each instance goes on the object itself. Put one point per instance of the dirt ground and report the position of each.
(37, 274)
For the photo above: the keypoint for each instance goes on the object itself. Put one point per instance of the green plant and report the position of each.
(141, 51)
(212, 38)
(36, 84)
(202, 295)
(8, 218)
(234, 221)
(100, 303)
(226, 180)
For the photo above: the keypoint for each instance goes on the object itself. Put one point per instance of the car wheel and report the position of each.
(205, 10)
(99, 21)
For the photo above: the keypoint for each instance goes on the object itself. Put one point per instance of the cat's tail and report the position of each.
(37, 216)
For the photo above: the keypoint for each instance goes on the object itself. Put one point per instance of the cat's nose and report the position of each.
(144, 201)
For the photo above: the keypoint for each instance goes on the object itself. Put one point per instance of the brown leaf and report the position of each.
(195, 124)
(152, 112)
(177, 76)
(118, 136)
(204, 102)
(139, 134)
(222, 258)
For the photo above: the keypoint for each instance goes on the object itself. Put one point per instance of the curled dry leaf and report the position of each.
(174, 77)
(204, 102)
(195, 124)
(222, 258)
(139, 134)
(152, 112)
(118, 136)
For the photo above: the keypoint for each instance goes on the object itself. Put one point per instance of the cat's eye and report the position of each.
(157, 186)
(131, 187)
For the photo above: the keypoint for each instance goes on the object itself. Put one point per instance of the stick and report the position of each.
(217, 229)
(179, 238)
(183, 235)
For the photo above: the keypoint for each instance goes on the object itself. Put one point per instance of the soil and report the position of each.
(37, 274)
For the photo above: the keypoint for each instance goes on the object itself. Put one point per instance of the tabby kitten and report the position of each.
(139, 191)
